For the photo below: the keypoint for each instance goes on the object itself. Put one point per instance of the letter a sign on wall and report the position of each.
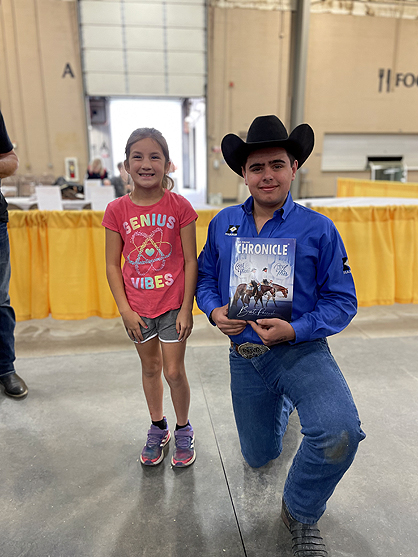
(68, 71)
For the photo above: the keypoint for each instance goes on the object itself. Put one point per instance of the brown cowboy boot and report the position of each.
(306, 538)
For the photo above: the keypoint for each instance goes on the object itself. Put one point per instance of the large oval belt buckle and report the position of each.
(250, 350)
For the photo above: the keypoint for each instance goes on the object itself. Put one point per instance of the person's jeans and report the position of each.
(7, 314)
(264, 390)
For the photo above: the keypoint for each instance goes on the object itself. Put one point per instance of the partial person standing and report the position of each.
(96, 170)
(275, 365)
(13, 385)
(120, 182)
(155, 230)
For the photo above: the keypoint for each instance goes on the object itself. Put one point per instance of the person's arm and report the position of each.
(184, 322)
(336, 303)
(130, 318)
(207, 293)
(9, 163)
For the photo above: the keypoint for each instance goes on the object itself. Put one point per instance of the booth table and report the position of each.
(352, 187)
(26, 203)
(58, 263)
(58, 257)
(356, 201)
(381, 238)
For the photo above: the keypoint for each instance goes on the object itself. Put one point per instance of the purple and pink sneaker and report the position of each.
(153, 451)
(184, 453)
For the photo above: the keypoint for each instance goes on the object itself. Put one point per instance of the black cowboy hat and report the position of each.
(267, 131)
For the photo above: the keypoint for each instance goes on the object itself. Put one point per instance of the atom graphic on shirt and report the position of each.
(150, 252)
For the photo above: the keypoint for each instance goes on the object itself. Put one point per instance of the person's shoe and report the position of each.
(14, 385)
(153, 451)
(184, 453)
(306, 538)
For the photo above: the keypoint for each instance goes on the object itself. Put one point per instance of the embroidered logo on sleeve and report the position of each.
(346, 266)
(232, 230)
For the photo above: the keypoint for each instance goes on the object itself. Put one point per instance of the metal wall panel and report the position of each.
(349, 152)
(154, 48)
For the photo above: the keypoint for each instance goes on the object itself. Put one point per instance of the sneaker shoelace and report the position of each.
(183, 439)
(154, 439)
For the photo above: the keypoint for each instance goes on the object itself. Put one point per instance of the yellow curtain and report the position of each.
(202, 223)
(382, 247)
(58, 264)
(29, 261)
(77, 276)
(349, 187)
(58, 260)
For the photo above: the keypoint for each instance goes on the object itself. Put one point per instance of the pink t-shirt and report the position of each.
(153, 272)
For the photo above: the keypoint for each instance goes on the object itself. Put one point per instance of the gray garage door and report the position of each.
(155, 48)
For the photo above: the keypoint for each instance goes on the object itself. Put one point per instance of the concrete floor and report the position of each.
(72, 484)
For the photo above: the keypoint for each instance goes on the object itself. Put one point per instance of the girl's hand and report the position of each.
(184, 324)
(132, 322)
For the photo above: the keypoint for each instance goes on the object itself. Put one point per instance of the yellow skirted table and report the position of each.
(58, 264)
(58, 259)
(382, 247)
(351, 187)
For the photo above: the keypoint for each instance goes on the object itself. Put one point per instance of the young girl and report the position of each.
(155, 230)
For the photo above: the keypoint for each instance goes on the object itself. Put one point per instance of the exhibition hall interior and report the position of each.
(78, 77)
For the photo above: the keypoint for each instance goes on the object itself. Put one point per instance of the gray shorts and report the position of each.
(164, 326)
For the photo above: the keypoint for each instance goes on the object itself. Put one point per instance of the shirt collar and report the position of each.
(247, 206)
(283, 212)
(287, 207)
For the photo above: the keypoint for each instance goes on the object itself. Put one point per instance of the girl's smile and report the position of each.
(146, 165)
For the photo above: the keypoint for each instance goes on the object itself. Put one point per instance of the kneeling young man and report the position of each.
(286, 365)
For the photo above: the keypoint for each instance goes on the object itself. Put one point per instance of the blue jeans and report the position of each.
(265, 389)
(7, 314)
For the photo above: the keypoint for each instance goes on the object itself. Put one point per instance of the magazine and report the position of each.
(261, 278)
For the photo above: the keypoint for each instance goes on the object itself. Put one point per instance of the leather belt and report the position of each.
(249, 350)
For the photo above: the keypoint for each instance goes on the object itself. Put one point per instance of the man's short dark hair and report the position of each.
(291, 157)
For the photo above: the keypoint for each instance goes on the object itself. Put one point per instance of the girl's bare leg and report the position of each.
(152, 363)
(175, 375)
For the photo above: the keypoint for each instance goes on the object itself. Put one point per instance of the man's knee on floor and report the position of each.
(256, 462)
(342, 446)
(257, 459)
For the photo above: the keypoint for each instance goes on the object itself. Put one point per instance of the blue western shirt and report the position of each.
(324, 297)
